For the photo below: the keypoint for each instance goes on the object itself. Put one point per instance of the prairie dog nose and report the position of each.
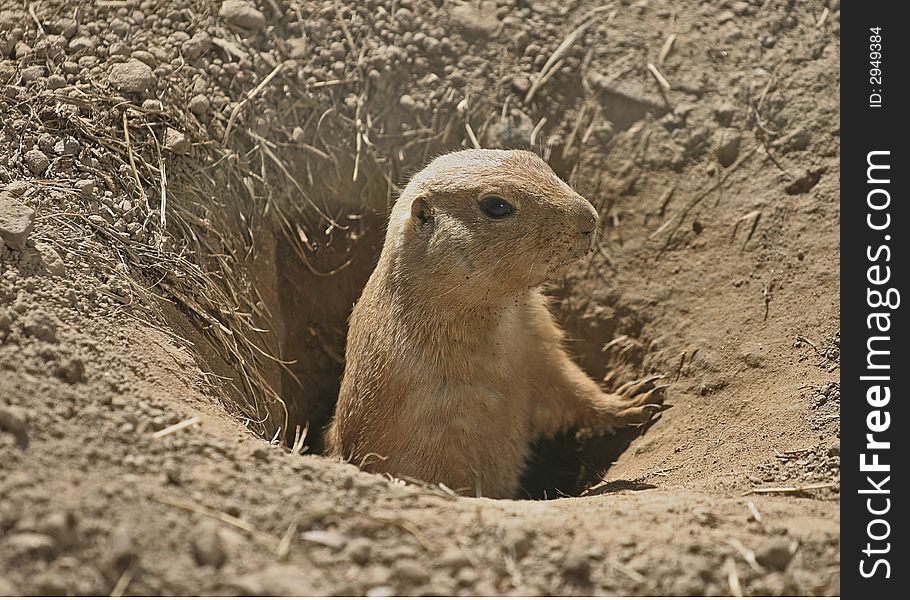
(585, 216)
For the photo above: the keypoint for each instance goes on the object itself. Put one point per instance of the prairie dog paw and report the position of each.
(634, 403)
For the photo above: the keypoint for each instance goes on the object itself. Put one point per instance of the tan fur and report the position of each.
(454, 364)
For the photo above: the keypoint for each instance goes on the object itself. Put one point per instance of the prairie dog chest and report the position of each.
(479, 378)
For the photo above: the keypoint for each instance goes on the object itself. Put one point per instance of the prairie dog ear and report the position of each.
(421, 211)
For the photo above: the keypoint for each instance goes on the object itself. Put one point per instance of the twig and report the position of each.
(756, 216)
(123, 582)
(627, 571)
(252, 94)
(704, 193)
(467, 127)
(556, 59)
(792, 489)
(176, 427)
(284, 545)
(666, 49)
(822, 18)
(265, 538)
(733, 578)
(748, 555)
(766, 295)
(129, 150)
(536, 131)
(31, 12)
(755, 514)
(661, 80)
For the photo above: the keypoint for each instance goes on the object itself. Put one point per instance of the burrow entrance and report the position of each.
(309, 281)
(308, 254)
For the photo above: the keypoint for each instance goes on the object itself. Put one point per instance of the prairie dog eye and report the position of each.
(496, 207)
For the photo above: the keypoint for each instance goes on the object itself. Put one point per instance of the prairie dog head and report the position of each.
(480, 225)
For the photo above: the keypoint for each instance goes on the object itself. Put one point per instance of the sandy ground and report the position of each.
(168, 174)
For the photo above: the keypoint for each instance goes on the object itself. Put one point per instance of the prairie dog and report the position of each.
(454, 364)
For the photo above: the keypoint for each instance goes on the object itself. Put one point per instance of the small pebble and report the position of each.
(176, 141)
(13, 420)
(71, 370)
(242, 14)
(775, 553)
(133, 76)
(207, 547)
(16, 221)
(36, 161)
(726, 145)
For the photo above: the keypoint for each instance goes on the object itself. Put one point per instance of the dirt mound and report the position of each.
(192, 195)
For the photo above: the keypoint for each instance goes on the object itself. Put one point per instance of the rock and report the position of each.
(71, 370)
(119, 27)
(277, 580)
(62, 528)
(120, 551)
(17, 188)
(380, 591)
(176, 141)
(359, 550)
(40, 326)
(30, 74)
(412, 571)
(329, 539)
(521, 84)
(36, 161)
(576, 565)
(146, 57)
(133, 76)
(726, 145)
(724, 113)
(86, 187)
(454, 559)
(519, 541)
(81, 43)
(68, 146)
(298, 48)
(407, 102)
(242, 14)
(776, 553)
(118, 49)
(16, 221)
(405, 18)
(805, 182)
(207, 547)
(31, 545)
(13, 420)
(52, 262)
(473, 22)
(56, 81)
(196, 46)
(199, 105)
